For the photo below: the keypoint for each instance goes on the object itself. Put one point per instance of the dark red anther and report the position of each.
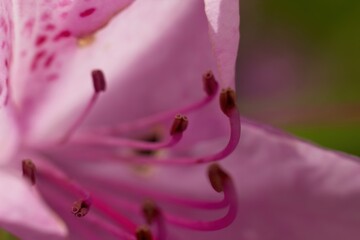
(228, 101)
(210, 84)
(98, 80)
(143, 233)
(179, 125)
(150, 211)
(80, 208)
(29, 170)
(217, 177)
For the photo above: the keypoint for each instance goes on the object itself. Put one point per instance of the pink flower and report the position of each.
(111, 160)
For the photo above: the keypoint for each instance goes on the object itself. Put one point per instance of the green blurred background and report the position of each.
(298, 68)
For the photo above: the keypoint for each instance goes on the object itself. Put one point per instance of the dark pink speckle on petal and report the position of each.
(49, 60)
(62, 34)
(40, 40)
(50, 27)
(52, 77)
(87, 12)
(38, 56)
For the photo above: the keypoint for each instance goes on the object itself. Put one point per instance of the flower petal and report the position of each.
(5, 51)
(9, 138)
(152, 62)
(223, 17)
(45, 42)
(22, 211)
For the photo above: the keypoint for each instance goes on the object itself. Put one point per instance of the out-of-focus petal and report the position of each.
(5, 51)
(8, 136)
(45, 42)
(224, 20)
(22, 210)
(157, 66)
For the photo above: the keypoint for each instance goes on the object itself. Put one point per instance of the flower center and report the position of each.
(105, 144)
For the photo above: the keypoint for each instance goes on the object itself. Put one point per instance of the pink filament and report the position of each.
(230, 198)
(81, 118)
(214, 225)
(124, 142)
(116, 232)
(149, 121)
(235, 130)
(118, 218)
(75, 188)
(164, 197)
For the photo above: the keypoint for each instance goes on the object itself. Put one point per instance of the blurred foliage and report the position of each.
(325, 37)
(329, 28)
(6, 236)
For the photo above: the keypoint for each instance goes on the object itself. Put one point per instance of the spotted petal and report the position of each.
(44, 43)
(149, 44)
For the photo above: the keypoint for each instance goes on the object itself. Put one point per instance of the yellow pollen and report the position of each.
(85, 41)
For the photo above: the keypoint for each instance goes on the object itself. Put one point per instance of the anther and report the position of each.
(80, 208)
(218, 177)
(179, 125)
(143, 233)
(150, 211)
(210, 84)
(228, 101)
(29, 170)
(98, 80)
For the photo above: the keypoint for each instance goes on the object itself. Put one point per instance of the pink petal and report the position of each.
(45, 41)
(152, 62)
(5, 51)
(8, 136)
(22, 210)
(223, 17)
(86, 17)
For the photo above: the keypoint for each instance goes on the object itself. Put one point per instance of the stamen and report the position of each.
(99, 83)
(210, 84)
(29, 171)
(228, 105)
(98, 80)
(152, 214)
(179, 126)
(150, 211)
(80, 208)
(217, 177)
(210, 87)
(228, 101)
(143, 233)
(228, 188)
